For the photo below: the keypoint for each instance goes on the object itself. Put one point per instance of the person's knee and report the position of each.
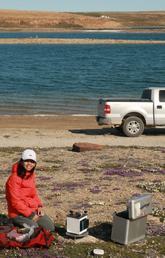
(50, 227)
(46, 223)
(20, 221)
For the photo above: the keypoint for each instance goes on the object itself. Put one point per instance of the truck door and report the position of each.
(159, 108)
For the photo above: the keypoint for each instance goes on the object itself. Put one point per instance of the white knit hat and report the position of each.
(29, 154)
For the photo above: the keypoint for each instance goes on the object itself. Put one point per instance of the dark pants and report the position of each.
(43, 221)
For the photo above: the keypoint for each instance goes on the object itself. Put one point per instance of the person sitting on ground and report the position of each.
(24, 205)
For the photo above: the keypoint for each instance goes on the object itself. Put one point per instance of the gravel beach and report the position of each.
(64, 131)
(75, 41)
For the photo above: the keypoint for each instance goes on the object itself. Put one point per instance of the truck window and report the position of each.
(146, 94)
(162, 95)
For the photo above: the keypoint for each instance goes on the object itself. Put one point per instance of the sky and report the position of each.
(84, 5)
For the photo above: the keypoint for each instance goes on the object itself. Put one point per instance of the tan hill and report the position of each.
(37, 20)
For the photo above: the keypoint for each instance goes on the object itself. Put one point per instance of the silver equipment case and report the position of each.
(129, 226)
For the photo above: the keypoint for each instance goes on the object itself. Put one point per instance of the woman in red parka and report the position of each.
(24, 205)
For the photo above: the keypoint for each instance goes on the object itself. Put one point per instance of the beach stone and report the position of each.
(84, 146)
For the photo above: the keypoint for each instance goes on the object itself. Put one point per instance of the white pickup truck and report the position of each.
(132, 115)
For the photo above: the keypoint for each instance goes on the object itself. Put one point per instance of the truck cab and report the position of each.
(157, 95)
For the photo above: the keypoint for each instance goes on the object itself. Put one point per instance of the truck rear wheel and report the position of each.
(133, 126)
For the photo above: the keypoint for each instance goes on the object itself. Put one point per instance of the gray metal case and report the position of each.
(125, 231)
(140, 206)
(129, 226)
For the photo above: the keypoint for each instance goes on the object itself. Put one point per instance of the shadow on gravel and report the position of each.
(101, 231)
(103, 131)
(154, 132)
(115, 132)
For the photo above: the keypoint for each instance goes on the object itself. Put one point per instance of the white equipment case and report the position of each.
(77, 224)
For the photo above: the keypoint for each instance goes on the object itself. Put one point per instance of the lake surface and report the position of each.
(91, 34)
(69, 79)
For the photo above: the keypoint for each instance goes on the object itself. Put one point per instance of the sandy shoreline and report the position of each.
(75, 41)
(64, 131)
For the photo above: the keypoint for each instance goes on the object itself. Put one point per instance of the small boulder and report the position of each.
(84, 146)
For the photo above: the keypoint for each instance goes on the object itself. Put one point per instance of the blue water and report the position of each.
(69, 79)
(90, 34)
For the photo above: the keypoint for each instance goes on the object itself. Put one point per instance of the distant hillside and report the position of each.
(37, 20)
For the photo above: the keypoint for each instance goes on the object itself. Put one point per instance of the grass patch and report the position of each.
(48, 168)
(11, 150)
(108, 165)
(6, 136)
(41, 186)
(63, 25)
(54, 161)
(91, 14)
(152, 187)
(15, 25)
(2, 191)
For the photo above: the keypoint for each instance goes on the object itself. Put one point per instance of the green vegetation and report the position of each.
(14, 25)
(64, 25)
(137, 19)
(131, 19)
(91, 14)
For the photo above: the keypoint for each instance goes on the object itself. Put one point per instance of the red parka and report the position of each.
(21, 194)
